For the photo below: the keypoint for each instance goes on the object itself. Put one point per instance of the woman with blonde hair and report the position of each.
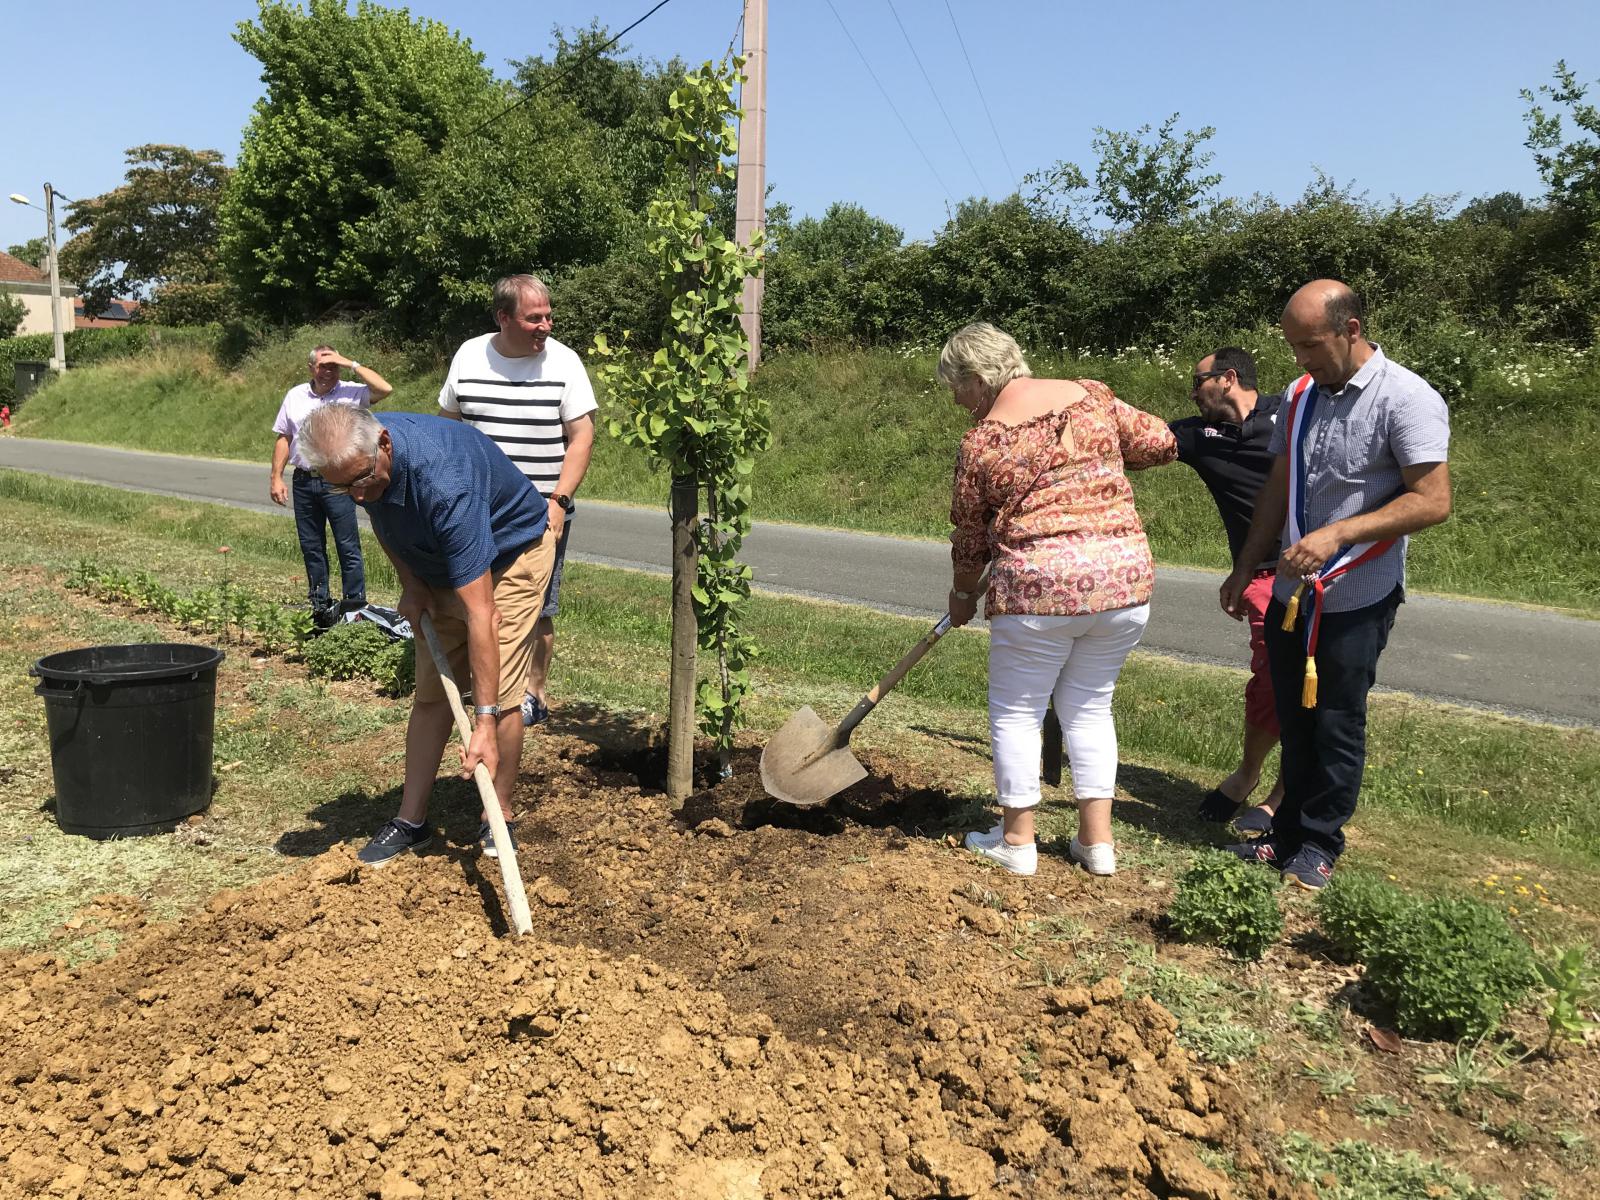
(1041, 498)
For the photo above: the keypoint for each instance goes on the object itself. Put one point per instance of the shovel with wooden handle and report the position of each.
(806, 763)
(510, 872)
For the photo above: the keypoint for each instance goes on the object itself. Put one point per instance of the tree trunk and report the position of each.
(685, 632)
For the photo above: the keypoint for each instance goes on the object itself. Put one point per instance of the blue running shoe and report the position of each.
(393, 840)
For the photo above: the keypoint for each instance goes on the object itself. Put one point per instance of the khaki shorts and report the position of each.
(519, 595)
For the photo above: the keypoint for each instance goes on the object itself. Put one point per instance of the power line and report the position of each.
(935, 92)
(947, 192)
(999, 145)
(571, 67)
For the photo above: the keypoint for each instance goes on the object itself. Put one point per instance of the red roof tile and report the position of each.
(14, 270)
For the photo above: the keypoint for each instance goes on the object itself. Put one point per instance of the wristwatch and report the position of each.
(564, 500)
(354, 365)
(486, 710)
(962, 595)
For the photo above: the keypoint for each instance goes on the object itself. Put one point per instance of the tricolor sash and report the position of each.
(1302, 405)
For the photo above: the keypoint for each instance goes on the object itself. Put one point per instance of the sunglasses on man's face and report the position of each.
(1205, 375)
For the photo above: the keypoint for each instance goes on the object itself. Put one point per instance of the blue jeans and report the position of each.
(315, 506)
(1324, 748)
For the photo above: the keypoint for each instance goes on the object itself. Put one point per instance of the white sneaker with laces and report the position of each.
(1019, 860)
(1099, 859)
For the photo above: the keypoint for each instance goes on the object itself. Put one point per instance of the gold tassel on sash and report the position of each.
(1308, 689)
(1291, 611)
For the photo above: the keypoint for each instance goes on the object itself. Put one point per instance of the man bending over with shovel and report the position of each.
(466, 533)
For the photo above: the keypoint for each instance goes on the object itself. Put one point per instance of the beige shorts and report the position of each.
(519, 595)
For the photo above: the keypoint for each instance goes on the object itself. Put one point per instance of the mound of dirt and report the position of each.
(703, 1012)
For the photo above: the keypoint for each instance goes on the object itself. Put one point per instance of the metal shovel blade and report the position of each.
(802, 766)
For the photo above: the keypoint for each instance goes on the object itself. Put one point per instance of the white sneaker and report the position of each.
(1099, 859)
(1019, 860)
(992, 838)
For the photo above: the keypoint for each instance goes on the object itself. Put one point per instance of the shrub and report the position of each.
(1223, 900)
(1359, 910)
(1449, 968)
(395, 668)
(349, 650)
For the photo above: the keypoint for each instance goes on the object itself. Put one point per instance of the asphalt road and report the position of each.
(1521, 661)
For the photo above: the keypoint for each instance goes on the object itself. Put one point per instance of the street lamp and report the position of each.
(59, 362)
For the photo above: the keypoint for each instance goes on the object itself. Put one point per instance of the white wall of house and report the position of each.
(36, 298)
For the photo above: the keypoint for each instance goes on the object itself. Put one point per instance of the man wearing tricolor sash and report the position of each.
(1360, 462)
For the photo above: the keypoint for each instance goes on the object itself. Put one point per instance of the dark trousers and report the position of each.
(1324, 748)
(314, 507)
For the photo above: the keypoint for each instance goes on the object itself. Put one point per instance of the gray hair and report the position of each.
(336, 433)
(982, 352)
(311, 358)
(513, 288)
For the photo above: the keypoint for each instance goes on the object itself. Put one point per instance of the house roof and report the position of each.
(14, 270)
(117, 313)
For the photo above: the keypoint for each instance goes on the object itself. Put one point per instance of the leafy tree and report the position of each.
(159, 228)
(624, 100)
(1569, 168)
(532, 191)
(1144, 183)
(691, 406)
(350, 96)
(1564, 279)
(12, 312)
(32, 251)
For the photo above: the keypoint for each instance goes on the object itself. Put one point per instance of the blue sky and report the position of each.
(1400, 98)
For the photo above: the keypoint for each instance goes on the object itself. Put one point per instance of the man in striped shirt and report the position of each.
(532, 397)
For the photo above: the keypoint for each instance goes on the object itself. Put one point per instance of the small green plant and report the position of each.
(1221, 899)
(1357, 909)
(1314, 1022)
(1574, 991)
(1467, 1070)
(1576, 1150)
(1449, 968)
(1378, 1109)
(1330, 1081)
(1207, 1023)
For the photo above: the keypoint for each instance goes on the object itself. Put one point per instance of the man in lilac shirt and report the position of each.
(316, 508)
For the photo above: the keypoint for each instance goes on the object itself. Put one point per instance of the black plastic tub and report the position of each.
(131, 729)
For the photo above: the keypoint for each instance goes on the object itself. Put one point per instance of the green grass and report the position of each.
(1533, 785)
(866, 440)
(1451, 797)
(1356, 1170)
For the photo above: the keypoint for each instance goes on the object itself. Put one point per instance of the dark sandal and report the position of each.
(1217, 806)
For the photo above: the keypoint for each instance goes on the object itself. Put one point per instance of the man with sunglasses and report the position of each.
(316, 509)
(468, 537)
(1228, 447)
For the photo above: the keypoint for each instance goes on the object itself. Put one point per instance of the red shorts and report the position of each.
(1259, 709)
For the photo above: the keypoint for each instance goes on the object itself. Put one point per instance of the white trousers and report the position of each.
(1076, 660)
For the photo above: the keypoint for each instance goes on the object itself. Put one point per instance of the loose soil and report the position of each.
(734, 1001)
(712, 1004)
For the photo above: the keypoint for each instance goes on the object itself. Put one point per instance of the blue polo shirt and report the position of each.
(455, 506)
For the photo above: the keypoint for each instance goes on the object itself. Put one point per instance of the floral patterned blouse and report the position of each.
(1048, 503)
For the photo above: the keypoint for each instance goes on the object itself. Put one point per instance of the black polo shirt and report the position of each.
(1233, 461)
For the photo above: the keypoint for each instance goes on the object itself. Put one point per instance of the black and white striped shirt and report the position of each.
(520, 403)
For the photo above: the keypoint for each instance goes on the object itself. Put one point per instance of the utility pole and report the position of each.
(750, 214)
(59, 363)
